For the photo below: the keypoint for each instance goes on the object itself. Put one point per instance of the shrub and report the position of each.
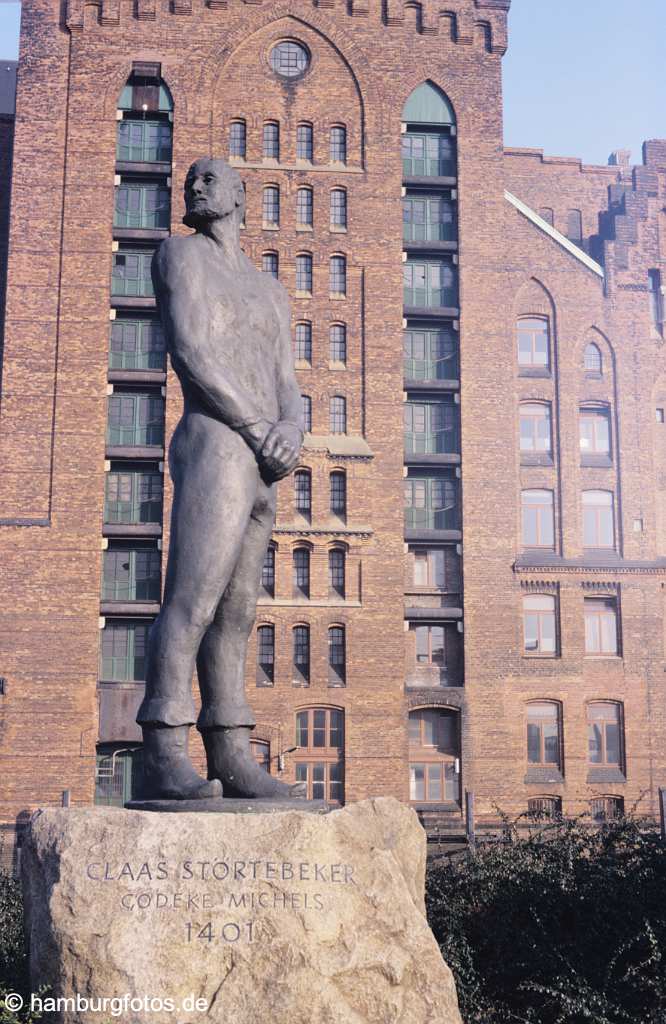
(564, 926)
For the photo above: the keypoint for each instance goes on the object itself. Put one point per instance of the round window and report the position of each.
(289, 59)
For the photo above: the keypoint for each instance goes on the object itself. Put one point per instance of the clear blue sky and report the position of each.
(581, 77)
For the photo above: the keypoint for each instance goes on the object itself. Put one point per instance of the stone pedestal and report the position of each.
(280, 918)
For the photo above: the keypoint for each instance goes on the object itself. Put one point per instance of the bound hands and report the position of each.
(279, 453)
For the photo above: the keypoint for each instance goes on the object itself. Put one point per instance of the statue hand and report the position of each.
(280, 451)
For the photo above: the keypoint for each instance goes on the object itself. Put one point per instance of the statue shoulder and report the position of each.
(174, 254)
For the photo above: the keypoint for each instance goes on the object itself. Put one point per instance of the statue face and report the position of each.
(212, 190)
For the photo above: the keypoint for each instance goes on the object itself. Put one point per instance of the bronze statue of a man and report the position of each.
(228, 335)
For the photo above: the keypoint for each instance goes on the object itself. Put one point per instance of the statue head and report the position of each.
(213, 190)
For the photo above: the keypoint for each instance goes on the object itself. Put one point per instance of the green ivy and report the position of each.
(566, 925)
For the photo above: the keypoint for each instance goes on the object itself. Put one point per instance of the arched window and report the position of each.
(546, 214)
(605, 734)
(339, 208)
(303, 492)
(337, 656)
(304, 207)
(303, 342)
(144, 133)
(301, 647)
(261, 752)
(320, 755)
(544, 807)
(304, 273)
(301, 568)
(595, 432)
(336, 571)
(338, 144)
(238, 139)
(538, 521)
(145, 91)
(265, 655)
(598, 519)
(270, 206)
(593, 361)
(337, 338)
(574, 226)
(304, 141)
(268, 572)
(271, 140)
(540, 624)
(535, 427)
(607, 808)
(428, 144)
(338, 502)
(434, 752)
(601, 627)
(270, 263)
(338, 415)
(306, 408)
(533, 343)
(338, 275)
(544, 734)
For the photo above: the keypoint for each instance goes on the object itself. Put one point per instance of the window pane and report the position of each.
(434, 782)
(533, 743)
(417, 782)
(595, 747)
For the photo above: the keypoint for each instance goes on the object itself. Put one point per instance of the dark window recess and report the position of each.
(338, 503)
(338, 145)
(265, 655)
(304, 142)
(301, 570)
(431, 502)
(336, 571)
(301, 639)
(303, 492)
(268, 572)
(131, 274)
(337, 656)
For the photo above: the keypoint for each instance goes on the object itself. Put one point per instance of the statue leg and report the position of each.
(213, 496)
(226, 721)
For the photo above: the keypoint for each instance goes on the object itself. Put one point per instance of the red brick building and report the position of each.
(464, 594)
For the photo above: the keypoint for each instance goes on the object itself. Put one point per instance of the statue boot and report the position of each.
(230, 759)
(168, 773)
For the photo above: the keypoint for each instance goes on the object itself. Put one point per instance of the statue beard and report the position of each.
(197, 218)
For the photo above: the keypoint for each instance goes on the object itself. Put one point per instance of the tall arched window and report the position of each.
(301, 659)
(301, 560)
(544, 734)
(434, 753)
(270, 263)
(238, 139)
(304, 207)
(593, 360)
(337, 656)
(338, 144)
(338, 495)
(268, 571)
(339, 208)
(538, 521)
(320, 755)
(428, 144)
(533, 343)
(303, 342)
(535, 427)
(595, 433)
(304, 273)
(265, 655)
(338, 275)
(270, 206)
(598, 519)
(306, 408)
(271, 140)
(304, 141)
(605, 734)
(303, 492)
(337, 338)
(338, 415)
(336, 571)
(540, 625)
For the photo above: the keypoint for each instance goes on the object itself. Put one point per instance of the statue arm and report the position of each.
(182, 305)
